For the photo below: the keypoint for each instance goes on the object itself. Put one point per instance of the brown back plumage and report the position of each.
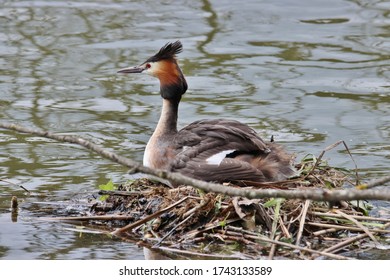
(243, 154)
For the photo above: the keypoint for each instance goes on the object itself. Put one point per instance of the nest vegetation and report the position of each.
(185, 222)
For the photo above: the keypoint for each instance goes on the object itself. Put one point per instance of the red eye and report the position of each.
(148, 65)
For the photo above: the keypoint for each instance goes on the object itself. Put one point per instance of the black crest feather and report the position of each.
(167, 52)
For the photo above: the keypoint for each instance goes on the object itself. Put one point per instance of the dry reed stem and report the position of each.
(346, 227)
(273, 248)
(330, 147)
(203, 255)
(302, 221)
(359, 225)
(325, 231)
(337, 247)
(266, 239)
(328, 214)
(284, 229)
(207, 227)
(203, 203)
(173, 230)
(374, 183)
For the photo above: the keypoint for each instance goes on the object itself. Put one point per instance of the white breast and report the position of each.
(146, 159)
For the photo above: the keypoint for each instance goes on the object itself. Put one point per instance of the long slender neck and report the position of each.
(158, 147)
(167, 123)
(172, 86)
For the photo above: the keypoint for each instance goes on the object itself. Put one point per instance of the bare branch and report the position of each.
(312, 194)
(375, 183)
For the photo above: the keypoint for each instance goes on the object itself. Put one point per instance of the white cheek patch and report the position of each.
(218, 157)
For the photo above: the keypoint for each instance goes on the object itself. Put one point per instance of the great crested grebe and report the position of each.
(210, 150)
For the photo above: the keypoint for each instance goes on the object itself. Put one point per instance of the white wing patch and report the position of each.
(218, 157)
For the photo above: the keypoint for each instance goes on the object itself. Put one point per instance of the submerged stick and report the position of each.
(192, 254)
(16, 185)
(313, 194)
(122, 193)
(89, 218)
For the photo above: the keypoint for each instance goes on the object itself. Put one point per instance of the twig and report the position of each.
(329, 148)
(225, 235)
(208, 227)
(202, 204)
(374, 183)
(122, 193)
(328, 214)
(87, 230)
(188, 215)
(16, 185)
(302, 221)
(266, 239)
(358, 224)
(276, 218)
(273, 249)
(312, 194)
(346, 227)
(345, 243)
(173, 230)
(284, 228)
(148, 218)
(324, 231)
(326, 210)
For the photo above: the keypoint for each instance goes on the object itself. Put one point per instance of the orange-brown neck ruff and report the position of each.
(172, 82)
(167, 72)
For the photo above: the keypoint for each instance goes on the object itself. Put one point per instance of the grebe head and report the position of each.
(163, 65)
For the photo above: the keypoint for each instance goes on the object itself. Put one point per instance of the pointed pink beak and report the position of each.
(135, 69)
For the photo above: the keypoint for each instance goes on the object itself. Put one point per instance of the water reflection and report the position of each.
(308, 72)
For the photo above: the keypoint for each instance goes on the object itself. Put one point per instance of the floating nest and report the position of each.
(185, 222)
